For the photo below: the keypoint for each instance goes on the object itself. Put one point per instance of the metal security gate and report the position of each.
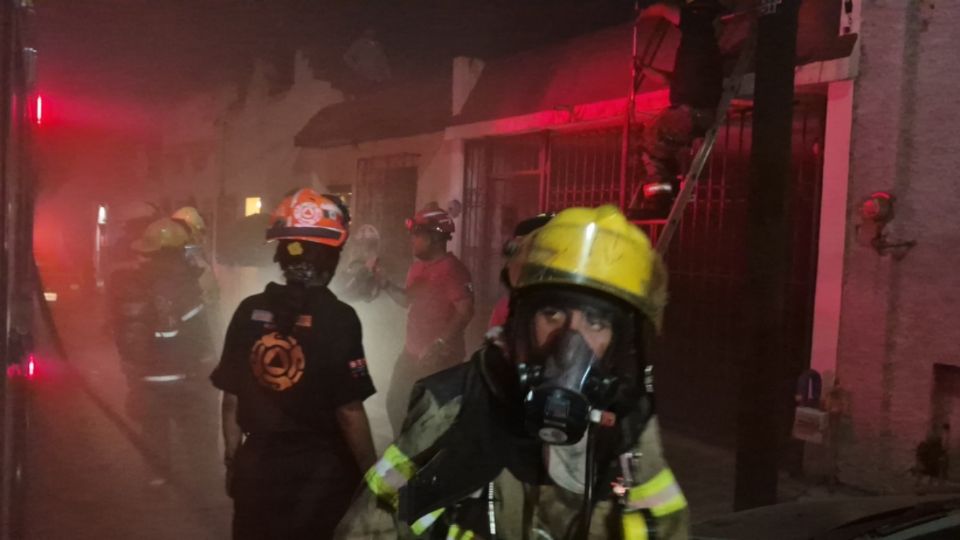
(385, 195)
(704, 334)
(585, 167)
(504, 179)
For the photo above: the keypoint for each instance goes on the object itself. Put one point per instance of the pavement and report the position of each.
(707, 475)
(90, 473)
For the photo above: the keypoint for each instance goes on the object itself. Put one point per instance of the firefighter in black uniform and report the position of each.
(161, 334)
(294, 378)
(696, 86)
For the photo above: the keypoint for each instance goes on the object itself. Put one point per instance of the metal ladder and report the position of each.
(732, 86)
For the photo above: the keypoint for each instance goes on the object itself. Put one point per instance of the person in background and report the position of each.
(439, 295)
(294, 378)
(196, 255)
(191, 219)
(511, 268)
(696, 86)
(160, 329)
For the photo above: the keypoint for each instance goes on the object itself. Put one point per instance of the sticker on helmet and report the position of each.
(306, 214)
(277, 362)
(295, 249)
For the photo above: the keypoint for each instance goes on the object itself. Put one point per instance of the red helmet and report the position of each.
(432, 220)
(309, 216)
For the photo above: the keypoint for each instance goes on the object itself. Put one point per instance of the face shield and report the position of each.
(575, 354)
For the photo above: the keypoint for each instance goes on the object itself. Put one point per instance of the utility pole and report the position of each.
(765, 376)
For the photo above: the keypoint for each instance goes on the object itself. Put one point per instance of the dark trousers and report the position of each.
(668, 137)
(406, 372)
(312, 512)
(288, 488)
(179, 423)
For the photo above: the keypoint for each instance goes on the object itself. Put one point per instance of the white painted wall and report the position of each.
(833, 225)
(439, 167)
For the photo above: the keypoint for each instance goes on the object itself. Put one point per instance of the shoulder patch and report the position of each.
(358, 368)
(261, 315)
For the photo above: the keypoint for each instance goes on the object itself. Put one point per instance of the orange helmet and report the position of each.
(309, 216)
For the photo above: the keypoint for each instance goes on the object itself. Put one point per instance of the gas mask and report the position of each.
(566, 385)
(303, 272)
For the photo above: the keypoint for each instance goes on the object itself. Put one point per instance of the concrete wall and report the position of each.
(899, 316)
(244, 144)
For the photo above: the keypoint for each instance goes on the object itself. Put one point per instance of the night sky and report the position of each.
(144, 51)
(110, 68)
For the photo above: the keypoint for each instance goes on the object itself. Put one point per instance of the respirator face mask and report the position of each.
(573, 350)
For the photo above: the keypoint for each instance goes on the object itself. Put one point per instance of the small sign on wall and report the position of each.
(810, 424)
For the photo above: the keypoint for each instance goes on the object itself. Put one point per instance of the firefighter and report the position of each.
(439, 295)
(554, 436)
(696, 85)
(196, 255)
(161, 334)
(511, 268)
(294, 377)
(191, 219)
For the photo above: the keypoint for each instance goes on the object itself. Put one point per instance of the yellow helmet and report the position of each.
(163, 233)
(597, 248)
(192, 218)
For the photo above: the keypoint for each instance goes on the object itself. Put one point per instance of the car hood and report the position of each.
(805, 519)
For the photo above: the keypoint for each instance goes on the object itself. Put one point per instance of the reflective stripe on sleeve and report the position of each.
(166, 335)
(192, 313)
(164, 378)
(456, 533)
(421, 525)
(388, 475)
(661, 495)
(635, 526)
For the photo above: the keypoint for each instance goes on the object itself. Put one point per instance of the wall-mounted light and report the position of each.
(252, 206)
(876, 211)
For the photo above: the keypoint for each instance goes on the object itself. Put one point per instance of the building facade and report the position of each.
(541, 131)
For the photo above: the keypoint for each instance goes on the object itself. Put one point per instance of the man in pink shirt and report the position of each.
(439, 295)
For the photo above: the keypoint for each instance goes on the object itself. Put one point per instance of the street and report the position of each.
(89, 472)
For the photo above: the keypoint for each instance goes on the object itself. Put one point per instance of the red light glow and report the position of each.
(31, 367)
(39, 110)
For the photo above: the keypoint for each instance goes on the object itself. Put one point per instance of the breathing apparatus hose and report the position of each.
(590, 475)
